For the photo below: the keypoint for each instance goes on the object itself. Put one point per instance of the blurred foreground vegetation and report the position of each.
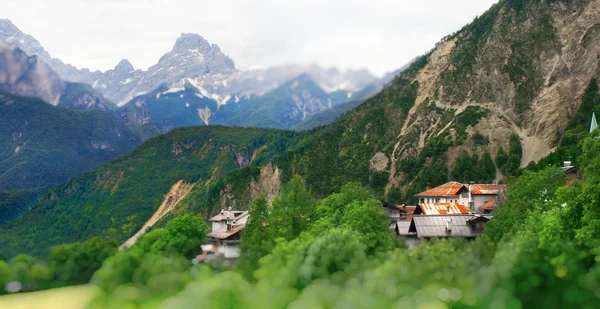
(541, 251)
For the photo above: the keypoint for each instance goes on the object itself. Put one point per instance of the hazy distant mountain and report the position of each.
(281, 108)
(26, 75)
(192, 59)
(12, 35)
(197, 84)
(192, 56)
(167, 108)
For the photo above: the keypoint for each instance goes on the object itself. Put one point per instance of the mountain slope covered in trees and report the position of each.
(44, 145)
(115, 200)
(474, 108)
(520, 69)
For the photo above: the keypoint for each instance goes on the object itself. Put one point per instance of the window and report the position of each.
(437, 200)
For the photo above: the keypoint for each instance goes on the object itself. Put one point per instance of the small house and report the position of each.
(483, 193)
(456, 197)
(450, 192)
(398, 212)
(224, 238)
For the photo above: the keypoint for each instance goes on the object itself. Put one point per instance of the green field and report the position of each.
(74, 297)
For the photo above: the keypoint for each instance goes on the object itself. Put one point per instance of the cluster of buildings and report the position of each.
(450, 210)
(453, 209)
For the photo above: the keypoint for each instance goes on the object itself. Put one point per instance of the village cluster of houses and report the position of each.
(450, 210)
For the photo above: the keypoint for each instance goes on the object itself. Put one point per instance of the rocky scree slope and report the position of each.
(520, 68)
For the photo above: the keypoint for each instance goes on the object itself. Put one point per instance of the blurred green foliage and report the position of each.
(541, 250)
(67, 264)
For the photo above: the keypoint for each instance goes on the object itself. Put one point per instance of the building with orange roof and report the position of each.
(489, 206)
(469, 196)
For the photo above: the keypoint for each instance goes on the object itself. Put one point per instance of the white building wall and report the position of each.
(218, 225)
(231, 251)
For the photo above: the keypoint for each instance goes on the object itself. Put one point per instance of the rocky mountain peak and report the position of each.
(303, 78)
(195, 46)
(6, 25)
(12, 35)
(191, 41)
(124, 66)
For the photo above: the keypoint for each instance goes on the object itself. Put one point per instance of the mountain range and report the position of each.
(192, 57)
(194, 84)
(197, 67)
(506, 85)
(508, 90)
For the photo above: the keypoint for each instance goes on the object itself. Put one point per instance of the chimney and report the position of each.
(471, 202)
(447, 209)
(428, 185)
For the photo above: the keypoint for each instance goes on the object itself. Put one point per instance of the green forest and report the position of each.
(323, 239)
(113, 201)
(541, 250)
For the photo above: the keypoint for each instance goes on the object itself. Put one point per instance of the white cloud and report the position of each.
(380, 35)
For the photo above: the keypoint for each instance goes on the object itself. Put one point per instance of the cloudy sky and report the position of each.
(378, 35)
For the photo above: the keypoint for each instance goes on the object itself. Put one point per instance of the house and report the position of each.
(489, 206)
(402, 230)
(454, 197)
(224, 238)
(483, 193)
(398, 212)
(399, 217)
(446, 226)
(447, 193)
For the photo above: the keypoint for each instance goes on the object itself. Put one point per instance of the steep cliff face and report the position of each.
(520, 68)
(529, 67)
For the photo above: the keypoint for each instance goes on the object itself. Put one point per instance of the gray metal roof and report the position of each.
(436, 225)
(403, 226)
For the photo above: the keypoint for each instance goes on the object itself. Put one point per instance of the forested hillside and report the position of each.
(115, 200)
(43, 145)
(434, 122)
(541, 250)
(498, 94)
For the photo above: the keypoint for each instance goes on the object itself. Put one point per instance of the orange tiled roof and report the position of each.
(448, 189)
(443, 208)
(489, 205)
(409, 211)
(487, 189)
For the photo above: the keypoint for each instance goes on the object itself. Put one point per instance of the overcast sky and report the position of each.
(378, 35)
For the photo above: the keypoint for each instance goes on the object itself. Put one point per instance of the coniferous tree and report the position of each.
(487, 169)
(257, 240)
(293, 209)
